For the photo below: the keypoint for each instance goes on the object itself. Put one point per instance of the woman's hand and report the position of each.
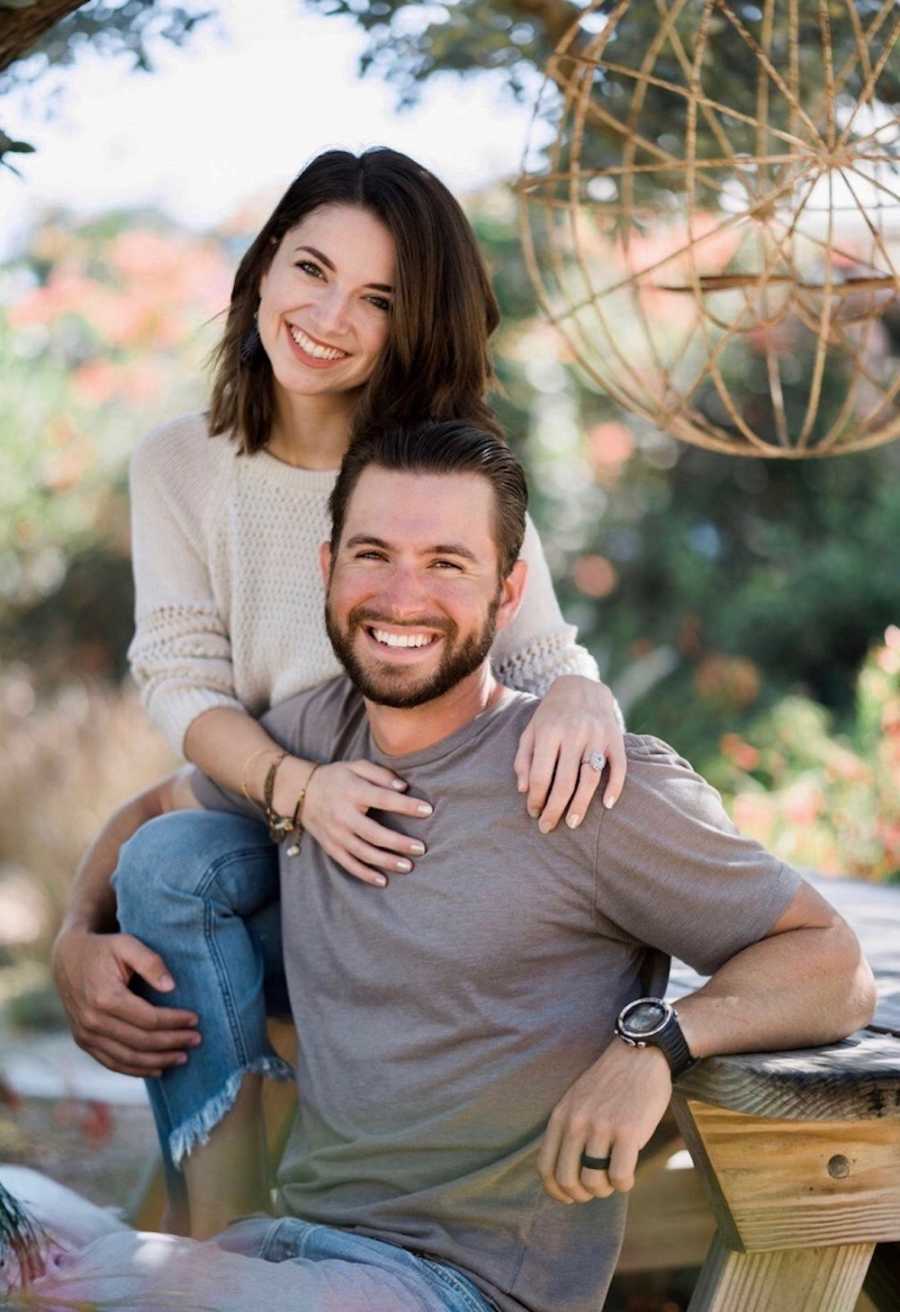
(577, 717)
(335, 812)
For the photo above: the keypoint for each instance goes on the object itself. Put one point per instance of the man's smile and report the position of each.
(400, 641)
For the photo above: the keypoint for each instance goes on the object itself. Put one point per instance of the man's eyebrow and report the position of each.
(438, 549)
(320, 255)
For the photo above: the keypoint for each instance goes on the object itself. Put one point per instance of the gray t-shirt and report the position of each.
(442, 1018)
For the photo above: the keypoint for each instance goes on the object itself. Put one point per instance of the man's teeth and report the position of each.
(313, 348)
(402, 639)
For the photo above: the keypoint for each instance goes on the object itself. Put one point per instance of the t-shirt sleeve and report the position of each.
(673, 872)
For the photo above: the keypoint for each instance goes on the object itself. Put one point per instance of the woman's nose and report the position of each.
(332, 311)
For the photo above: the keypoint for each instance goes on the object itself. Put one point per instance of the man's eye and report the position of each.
(448, 564)
(370, 555)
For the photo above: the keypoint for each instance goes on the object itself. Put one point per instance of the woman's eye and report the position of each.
(380, 303)
(309, 267)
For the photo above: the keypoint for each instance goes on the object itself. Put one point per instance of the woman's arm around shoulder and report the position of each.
(576, 735)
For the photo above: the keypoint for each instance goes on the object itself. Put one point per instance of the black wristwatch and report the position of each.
(653, 1023)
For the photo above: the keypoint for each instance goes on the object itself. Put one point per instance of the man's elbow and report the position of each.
(857, 994)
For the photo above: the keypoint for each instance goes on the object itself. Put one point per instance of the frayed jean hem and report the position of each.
(195, 1132)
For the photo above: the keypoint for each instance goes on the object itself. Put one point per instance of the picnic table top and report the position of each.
(855, 1079)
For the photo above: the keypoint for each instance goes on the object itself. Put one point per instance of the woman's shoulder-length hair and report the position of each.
(436, 362)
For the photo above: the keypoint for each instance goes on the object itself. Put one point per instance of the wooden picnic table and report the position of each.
(796, 1158)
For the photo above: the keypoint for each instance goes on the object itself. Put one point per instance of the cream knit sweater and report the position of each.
(228, 594)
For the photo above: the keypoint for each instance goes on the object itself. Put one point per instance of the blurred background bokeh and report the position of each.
(746, 610)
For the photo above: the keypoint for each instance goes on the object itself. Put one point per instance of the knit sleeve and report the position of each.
(539, 645)
(180, 655)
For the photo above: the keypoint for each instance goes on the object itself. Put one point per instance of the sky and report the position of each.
(234, 114)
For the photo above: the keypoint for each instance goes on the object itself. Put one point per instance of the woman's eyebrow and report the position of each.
(320, 255)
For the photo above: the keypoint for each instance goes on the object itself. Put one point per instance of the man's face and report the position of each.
(414, 597)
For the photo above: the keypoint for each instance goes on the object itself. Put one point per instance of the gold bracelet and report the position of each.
(246, 770)
(296, 826)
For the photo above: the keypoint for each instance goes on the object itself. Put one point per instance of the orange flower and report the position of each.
(595, 576)
(744, 755)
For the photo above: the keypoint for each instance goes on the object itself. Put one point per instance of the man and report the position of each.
(470, 1059)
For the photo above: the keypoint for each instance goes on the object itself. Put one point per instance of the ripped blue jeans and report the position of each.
(201, 889)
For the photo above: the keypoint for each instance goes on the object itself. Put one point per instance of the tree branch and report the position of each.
(20, 29)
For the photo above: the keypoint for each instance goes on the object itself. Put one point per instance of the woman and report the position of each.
(362, 302)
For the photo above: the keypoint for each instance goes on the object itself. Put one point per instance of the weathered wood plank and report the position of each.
(814, 1280)
(783, 1184)
(856, 1079)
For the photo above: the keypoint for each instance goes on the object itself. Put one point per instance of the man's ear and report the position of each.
(325, 561)
(511, 591)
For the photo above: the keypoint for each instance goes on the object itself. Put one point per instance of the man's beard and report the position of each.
(400, 687)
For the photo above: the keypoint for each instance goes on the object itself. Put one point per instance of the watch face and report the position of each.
(645, 1018)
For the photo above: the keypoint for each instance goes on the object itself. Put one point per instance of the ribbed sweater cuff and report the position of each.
(173, 710)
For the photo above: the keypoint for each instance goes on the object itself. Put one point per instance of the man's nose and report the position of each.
(404, 595)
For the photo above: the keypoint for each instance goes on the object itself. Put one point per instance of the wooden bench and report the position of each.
(796, 1159)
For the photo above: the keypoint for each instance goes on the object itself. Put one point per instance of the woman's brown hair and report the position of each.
(435, 364)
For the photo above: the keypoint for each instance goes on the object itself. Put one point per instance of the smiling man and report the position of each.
(483, 1044)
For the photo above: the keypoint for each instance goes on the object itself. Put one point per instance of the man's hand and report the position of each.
(610, 1111)
(119, 1029)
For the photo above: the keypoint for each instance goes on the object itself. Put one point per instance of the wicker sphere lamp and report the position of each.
(710, 213)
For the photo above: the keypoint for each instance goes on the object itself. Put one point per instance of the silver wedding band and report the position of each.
(596, 760)
(594, 1163)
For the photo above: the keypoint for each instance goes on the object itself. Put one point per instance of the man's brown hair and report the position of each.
(436, 358)
(452, 447)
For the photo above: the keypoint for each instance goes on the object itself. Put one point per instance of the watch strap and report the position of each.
(674, 1046)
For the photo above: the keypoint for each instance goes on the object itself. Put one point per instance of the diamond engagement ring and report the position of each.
(596, 760)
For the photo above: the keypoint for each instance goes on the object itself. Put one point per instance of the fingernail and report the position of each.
(404, 865)
(417, 849)
(425, 808)
(533, 812)
(195, 1040)
(609, 802)
(181, 1059)
(544, 826)
(522, 785)
(399, 785)
(380, 881)
(166, 982)
(573, 821)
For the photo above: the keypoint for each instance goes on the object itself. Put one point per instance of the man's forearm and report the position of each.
(796, 989)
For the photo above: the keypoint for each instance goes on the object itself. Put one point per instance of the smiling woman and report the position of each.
(323, 319)
(363, 304)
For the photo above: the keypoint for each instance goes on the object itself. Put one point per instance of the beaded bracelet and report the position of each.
(281, 826)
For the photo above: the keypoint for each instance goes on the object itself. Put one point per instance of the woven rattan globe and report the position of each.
(710, 213)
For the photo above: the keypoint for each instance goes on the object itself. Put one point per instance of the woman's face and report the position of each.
(324, 307)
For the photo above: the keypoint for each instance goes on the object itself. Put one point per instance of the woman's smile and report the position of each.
(313, 353)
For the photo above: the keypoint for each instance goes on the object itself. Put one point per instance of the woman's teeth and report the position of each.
(313, 348)
(401, 639)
